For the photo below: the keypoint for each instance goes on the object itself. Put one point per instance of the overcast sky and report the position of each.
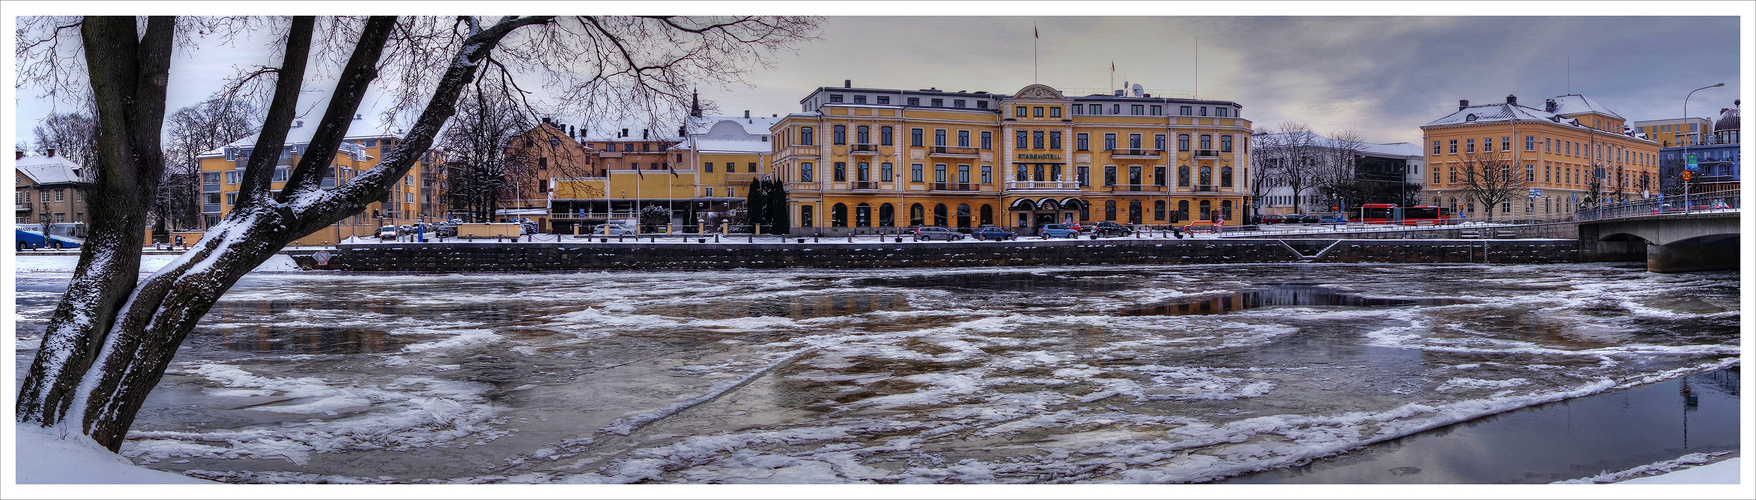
(1385, 76)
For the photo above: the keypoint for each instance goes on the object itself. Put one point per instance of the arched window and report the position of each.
(1182, 211)
(1134, 212)
(862, 215)
(963, 215)
(1225, 177)
(1206, 177)
(805, 215)
(1084, 212)
(940, 215)
(1158, 210)
(1207, 210)
(917, 215)
(987, 214)
(838, 215)
(1183, 176)
(886, 215)
(1109, 210)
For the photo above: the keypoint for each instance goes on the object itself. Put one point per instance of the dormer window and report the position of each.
(1470, 118)
(859, 99)
(834, 97)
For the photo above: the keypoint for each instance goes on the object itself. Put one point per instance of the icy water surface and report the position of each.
(1082, 374)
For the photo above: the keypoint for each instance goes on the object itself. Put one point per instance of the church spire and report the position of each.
(695, 103)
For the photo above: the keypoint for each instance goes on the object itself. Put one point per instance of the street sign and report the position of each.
(1693, 163)
(1536, 192)
(1687, 174)
(322, 257)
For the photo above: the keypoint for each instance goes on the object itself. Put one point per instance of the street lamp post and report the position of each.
(1686, 143)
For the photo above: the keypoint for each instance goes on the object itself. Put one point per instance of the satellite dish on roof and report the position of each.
(1138, 90)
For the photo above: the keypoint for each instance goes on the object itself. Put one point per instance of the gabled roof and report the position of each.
(1494, 113)
(49, 169)
(1573, 104)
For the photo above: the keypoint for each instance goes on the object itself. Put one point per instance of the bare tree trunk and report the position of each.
(128, 77)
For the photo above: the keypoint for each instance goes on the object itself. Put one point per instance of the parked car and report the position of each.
(930, 233)
(614, 228)
(1077, 227)
(1057, 231)
(992, 232)
(1107, 228)
(444, 230)
(1202, 226)
(1306, 219)
(1332, 219)
(1273, 219)
(387, 232)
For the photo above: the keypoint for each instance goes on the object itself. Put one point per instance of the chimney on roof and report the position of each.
(1511, 99)
(1461, 103)
(645, 133)
(20, 155)
(746, 113)
(624, 133)
(681, 131)
(51, 152)
(358, 117)
(1118, 93)
(1549, 105)
(847, 84)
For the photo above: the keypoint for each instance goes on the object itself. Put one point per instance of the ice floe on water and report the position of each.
(1079, 374)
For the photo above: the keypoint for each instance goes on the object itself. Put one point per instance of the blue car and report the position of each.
(1057, 231)
(33, 239)
(991, 232)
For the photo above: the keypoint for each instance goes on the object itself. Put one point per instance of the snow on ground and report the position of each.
(45, 457)
(66, 262)
(1694, 468)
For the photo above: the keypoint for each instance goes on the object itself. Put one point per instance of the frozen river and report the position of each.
(1086, 374)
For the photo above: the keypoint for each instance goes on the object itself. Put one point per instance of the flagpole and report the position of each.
(1035, 38)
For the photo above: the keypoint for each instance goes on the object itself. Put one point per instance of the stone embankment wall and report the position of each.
(501, 257)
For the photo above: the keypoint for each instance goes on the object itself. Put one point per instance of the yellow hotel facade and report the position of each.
(1558, 150)
(862, 160)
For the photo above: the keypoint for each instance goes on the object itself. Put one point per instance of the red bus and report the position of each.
(1385, 213)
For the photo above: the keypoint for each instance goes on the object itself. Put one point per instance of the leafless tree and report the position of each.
(1334, 169)
(70, 135)
(112, 336)
(1489, 180)
(190, 132)
(1265, 162)
(480, 166)
(1290, 152)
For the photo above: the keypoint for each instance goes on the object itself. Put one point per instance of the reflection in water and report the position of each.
(805, 306)
(1279, 295)
(269, 339)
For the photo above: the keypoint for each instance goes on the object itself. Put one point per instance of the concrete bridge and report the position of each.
(1674, 242)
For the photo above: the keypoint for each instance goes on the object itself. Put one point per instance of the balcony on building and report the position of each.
(954, 152)
(804, 186)
(1205, 188)
(1042, 186)
(22, 208)
(953, 186)
(1146, 188)
(864, 186)
(863, 149)
(1207, 153)
(1137, 153)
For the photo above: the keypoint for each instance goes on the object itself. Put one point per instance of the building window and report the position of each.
(938, 103)
(1133, 141)
(1222, 113)
(1156, 111)
(752, 167)
(963, 138)
(987, 140)
(1137, 109)
(1225, 175)
(939, 215)
(1109, 175)
(1183, 142)
(1183, 176)
(805, 136)
(1078, 110)
(1036, 139)
(1109, 142)
(1204, 111)
(1158, 210)
(1115, 109)
(1110, 210)
(1225, 143)
(1454, 146)
(914, 101)
(838, 215)
(1018, 112)
(1530, 172)
(840, 134)
(1097, 109)
(834, 97)
(859, 99)
(805, 172)
(1022, 140)
(1158, 176)
(1055, 139)
(1158, 142)
(883, 99)
(917, 215)
(939, 137)
(1084, 176)
(805, 215)
(1186, 111)
(863, 134)
(1054, 112)
(862, 171)
(963, 174)
(707, 167)
(987, 174)
(886, 215)
(915, 173)
(232, 176)
(1435, 147)
(1206, 142)
(939, 172)
(1083, 141)
(1021, 173)
(840, 172)
(1037, 111)
(884, 172)
(884, 136)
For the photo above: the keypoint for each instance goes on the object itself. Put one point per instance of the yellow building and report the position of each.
(860, 159)
(1565, 151)
(415, 198)
(1673, 132)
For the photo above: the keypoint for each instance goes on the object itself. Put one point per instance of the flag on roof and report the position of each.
(1033, 31)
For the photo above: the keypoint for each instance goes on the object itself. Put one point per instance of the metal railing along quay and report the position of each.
(1711, 201)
